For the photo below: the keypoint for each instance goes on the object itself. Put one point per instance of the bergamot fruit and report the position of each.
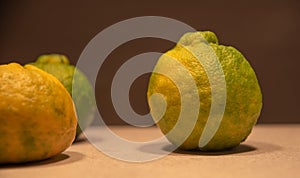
(37, 115)
(83, 95)
(243, 94)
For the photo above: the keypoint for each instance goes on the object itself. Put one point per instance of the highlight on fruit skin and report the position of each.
(38, 117)
(75, 82)
(243, 94)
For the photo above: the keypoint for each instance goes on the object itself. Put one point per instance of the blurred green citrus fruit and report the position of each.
(83, 94)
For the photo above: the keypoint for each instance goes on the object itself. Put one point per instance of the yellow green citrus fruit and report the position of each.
(37, 115)
(83, 95)
(243, 94)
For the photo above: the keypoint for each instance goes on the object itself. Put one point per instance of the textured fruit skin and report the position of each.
(83, 94)
(243, 102)
(38, 118)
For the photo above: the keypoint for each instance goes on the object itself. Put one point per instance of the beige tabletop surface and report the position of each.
(270, 151)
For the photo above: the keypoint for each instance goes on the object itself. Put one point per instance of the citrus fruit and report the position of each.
(83, 95)
(243, 98)
(37, 115)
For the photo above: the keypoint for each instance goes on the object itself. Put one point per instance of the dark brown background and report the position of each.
(267, 33)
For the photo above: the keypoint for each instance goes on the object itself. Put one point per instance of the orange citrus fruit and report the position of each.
(37, 115)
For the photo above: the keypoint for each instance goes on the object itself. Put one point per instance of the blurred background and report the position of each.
(265, 31)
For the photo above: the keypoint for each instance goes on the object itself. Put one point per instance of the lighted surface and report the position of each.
(270, 151)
